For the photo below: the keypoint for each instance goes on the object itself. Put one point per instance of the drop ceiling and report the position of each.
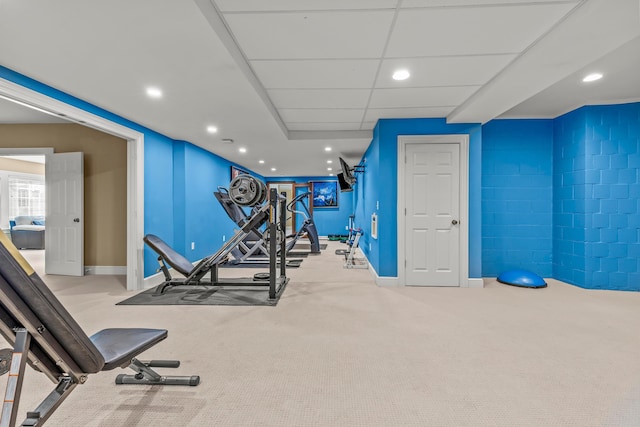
(287, 78)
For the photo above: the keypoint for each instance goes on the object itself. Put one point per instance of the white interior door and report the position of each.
(64, 231)
(432, 233)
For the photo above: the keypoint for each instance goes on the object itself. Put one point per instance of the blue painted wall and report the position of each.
(612, 184)
(327, 220)
(597, 196)
(569, 197)
(594, 194)
(517, 196)
(198, 173)
(179, 182)
(367, 201)
(158, 159)
(379, 192)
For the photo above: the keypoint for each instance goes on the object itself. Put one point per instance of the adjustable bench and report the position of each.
(45, 336)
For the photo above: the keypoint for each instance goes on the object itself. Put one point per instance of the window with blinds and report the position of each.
(26, 197)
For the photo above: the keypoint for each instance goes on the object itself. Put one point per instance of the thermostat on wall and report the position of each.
(374, 225)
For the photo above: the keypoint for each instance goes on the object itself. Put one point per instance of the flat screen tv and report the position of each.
(347, 172)
(344, 185)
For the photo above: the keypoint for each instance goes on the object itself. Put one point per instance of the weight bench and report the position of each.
(45, 336)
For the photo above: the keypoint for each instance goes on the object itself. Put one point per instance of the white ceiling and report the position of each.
(286, 78)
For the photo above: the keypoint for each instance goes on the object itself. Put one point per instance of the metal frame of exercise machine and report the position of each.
(254, 244)
(196, 276)
(308, 227)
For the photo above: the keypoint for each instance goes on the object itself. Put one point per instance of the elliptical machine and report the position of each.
(308, 226)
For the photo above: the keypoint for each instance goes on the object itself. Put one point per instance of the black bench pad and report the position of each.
(173, 258)
(119, 345)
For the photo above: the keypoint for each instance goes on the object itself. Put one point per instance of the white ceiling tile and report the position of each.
(319, 98)
(373, 114)
(280, 5)
(321, 115)
(450, 3)
(443, 71)
(324, 126)
(368, 125)
(463, 31)
(309, 74)
(303, 35)
(420, 97)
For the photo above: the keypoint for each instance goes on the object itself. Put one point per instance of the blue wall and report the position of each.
(596, 197)
(203, 221)
(569, 198)
(327, 220)
(367, 202)
(380, 184)
(158, 164)
(517, 196)
(578, 221)
(180, 178)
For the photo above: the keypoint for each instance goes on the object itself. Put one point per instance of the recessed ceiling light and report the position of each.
(592, 77)
(329, 161)
(401, 75)
(212, 129)
(154, 92)
(330, 174)
(327, 148)
(273, 169)
(242, 150)
(329, 169)
(261, 161)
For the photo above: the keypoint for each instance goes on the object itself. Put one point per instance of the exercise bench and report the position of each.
(45, 336)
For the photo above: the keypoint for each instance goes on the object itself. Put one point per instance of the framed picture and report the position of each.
(237, 171)
(325, 194)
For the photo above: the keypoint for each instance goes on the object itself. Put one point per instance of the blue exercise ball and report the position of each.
(522, 278)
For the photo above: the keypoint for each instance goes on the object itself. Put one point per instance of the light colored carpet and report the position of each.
(340, 351)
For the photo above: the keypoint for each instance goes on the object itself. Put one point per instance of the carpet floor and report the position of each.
(340, 351)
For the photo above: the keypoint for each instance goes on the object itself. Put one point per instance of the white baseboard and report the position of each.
(475, 283)
(380, 281)
(393, 281)
(110, 270)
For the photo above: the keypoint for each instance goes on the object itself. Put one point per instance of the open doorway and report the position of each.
(134, 174)
(22, 205)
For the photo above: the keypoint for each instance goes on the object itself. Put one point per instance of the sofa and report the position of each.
(27, 232)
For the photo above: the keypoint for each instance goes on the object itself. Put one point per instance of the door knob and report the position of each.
(454, 222)
(76, 219)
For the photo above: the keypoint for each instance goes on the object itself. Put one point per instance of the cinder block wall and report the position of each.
(596, 231)
(517, 196)
(569, 198)
(612, 187)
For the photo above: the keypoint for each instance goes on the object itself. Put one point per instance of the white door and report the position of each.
(432, 233)
(64, 231)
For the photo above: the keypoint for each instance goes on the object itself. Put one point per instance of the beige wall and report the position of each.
(105, 182)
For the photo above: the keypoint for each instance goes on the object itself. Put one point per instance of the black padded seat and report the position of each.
(46, 337)
(173, 258)
(115, 344)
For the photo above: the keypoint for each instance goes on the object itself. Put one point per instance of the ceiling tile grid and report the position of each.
(325, 35)
(313, 74)
(286, 77)
(344, 53)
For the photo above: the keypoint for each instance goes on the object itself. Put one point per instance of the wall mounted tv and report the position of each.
(344, 185)
(347, 172)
